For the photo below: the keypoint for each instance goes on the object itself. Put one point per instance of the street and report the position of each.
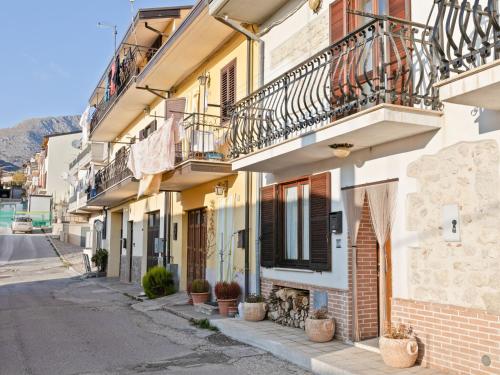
(53, 322)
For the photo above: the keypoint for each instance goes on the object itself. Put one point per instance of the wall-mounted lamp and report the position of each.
(221, 188)
(315, 5)
(147, 110)
(204, 79)
(341, 150)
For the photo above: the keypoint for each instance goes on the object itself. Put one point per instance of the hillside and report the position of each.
(20, 142)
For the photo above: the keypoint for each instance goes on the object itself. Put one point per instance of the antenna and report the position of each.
(104, 25)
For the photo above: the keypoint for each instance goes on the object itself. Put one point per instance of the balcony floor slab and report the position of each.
(374, 126)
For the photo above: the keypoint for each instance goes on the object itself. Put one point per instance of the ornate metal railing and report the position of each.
(204, 138)
(113, 173)
(465, 35)
(386, 61)
(132, 62)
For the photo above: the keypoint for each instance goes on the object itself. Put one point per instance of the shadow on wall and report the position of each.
(487, 120)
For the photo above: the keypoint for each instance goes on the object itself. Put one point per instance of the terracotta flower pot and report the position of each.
(254, 312)
(320, 330)
(224, 305)
(399, 353)
(200, 297)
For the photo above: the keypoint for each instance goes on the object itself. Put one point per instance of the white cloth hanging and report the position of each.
(84, 124)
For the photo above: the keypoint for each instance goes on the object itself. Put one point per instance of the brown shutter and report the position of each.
(268, 225)
(227, 88)
(397, 8)
(338, 24)
(141, 134)
(320, 209)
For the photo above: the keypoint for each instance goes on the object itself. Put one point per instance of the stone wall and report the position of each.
(464, 273)
(124, 269)
(136, 269)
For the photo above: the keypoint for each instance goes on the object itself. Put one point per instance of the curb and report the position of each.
(126, 294)
(61, 257)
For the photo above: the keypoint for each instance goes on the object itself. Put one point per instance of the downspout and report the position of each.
(166, 229)
(248, 180)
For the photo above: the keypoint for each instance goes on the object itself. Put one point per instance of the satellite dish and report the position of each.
(98, 225)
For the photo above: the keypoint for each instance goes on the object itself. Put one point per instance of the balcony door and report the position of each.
(153, 239)
(196, 244)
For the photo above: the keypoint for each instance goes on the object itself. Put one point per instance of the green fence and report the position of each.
(40, 218)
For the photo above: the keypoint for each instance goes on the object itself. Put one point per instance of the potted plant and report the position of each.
(200, 291)
(319, 326)
(254, 308)
(399, 347)
(100, 259)
(227, 295)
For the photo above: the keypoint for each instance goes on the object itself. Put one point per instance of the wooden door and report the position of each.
(197, 242)
(153, 241)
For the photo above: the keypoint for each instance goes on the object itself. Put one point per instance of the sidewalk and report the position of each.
(291, 344)
(71, 254)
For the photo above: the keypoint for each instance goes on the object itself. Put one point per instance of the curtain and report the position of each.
(353, 203)
(382, 201)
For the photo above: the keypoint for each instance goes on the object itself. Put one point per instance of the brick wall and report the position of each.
(366, 276)
(338, 303)
(452, 338)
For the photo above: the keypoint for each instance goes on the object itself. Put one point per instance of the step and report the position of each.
(206, 309)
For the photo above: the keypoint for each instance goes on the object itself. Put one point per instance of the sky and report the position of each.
(53, 54)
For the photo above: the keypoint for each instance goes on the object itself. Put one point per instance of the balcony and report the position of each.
(373, 87)
(114, 183)
(80, 206)
(115, 100)
(81, 156)
(202, 155)
(468, 50)
(248, 11)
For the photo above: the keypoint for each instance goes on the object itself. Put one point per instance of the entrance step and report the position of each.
(206, 309)
(370, 345)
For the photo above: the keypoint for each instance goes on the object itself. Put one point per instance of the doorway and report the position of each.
(196, 244)
(153, 239)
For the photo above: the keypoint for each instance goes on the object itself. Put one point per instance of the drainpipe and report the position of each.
(166, 229)
(248, 180)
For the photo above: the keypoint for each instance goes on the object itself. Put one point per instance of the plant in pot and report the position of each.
(319, 326)
(100, 259)
(399, 347)
(200, 291)
(254, 308)
(227, 294)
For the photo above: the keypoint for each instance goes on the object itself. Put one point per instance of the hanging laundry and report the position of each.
(111, 79)
(116, 75)
(153, 156)
(84, 124)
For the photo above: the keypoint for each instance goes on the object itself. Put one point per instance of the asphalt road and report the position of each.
(52, 322)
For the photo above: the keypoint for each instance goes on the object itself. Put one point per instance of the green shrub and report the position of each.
(100, 259)
(200, 286)
(158, 282)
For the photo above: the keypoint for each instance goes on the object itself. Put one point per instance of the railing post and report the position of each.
(383, 83)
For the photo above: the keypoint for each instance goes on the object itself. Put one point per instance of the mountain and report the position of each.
(20, 142)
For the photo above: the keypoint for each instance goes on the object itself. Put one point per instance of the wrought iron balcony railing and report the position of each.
(204, 138)
(465, 35)
(131, 64)
(386, 61)
(113, 173)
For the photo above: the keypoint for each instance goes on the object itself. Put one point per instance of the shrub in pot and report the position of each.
(254, 308)
(200, 291)
(100, 259)
(319, 326)
(158, 282)
(399, 347)
(227, 294)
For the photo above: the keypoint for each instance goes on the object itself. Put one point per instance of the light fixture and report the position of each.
(147, 110)
(221, 188)
(341, 150)
(315, 5)
(204, 78)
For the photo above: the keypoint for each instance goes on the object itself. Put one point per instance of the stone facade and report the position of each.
(338, 303)
(459, 340)
(136, 269)
(464, 273)
(124, 269)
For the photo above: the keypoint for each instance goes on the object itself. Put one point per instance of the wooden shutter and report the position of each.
(268, 225)
(338, 20)
(227, 88)
(397, 8)
(319, 229)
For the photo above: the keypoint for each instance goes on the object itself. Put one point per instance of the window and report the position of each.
(295, 224)
(227, 89)
(146, 132)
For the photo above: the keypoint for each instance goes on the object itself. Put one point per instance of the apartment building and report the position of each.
(375, 136)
